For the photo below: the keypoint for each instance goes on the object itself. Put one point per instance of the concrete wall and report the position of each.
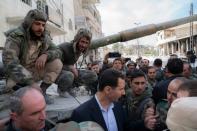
(16, 8)
(67, 8)
(10, 8)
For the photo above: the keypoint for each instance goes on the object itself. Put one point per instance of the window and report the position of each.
(41, 5)
(70, 24)
(28, 2)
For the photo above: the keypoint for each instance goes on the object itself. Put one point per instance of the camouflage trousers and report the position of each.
(48, 75)
(66, 80)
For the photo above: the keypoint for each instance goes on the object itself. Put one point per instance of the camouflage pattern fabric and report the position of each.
(66, 79)
(69, 126)
(162, 110)
(74, 126)
(151, 84)
(14, 55)
(90, 126)
(136, 106)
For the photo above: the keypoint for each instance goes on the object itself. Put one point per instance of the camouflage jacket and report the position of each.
(70, 52)
(136, 106)
(151, 83)
(162, 110)
(16, 48)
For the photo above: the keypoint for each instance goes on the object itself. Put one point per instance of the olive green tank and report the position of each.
(140, 32)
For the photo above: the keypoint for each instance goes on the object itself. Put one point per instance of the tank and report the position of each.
(140, 31)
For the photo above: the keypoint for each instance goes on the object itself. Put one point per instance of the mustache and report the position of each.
(39, 31)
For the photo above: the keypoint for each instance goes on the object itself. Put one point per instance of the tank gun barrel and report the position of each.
(140, 31)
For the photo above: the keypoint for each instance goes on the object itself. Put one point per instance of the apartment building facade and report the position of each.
(87, 16)
(61, 17)
(176, 40)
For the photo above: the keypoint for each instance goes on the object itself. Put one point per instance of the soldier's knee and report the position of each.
(89, 76)
(54, 66)
(65, 78)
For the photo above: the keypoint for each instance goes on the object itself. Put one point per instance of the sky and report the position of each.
(119, 15)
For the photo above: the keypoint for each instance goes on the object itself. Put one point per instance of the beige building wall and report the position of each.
(87, 16)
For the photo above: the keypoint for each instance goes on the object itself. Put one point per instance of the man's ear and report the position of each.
(13, 116)
(107, 89)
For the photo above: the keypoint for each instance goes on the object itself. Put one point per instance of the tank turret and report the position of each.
(140, 31)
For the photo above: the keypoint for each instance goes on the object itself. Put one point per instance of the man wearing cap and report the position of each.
(105, 109)
(29, 54)
(71, 51)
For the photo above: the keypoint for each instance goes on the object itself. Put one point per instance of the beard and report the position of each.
(34, 36)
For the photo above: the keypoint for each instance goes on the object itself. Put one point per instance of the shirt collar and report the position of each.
(111, 106)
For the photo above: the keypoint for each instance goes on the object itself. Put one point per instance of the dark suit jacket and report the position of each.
(90, 111)
(161, 88)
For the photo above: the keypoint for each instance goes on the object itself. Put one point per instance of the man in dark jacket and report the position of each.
(70, 54)
(104, 108)
(174, 68)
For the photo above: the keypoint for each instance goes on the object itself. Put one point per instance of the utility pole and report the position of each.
(138, 43)
(191, 28)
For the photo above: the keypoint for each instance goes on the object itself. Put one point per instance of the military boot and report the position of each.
(44, 87)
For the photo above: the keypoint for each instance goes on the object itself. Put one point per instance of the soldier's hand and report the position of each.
(41, 61)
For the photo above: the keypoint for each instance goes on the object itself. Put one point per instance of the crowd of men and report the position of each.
(127, 95)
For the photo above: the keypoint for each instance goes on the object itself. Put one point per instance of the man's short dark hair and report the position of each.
(157, 62)
(150, 67)
(118, 59)
(95, 63)
(175, 66)
(109, 77)
(135, 74)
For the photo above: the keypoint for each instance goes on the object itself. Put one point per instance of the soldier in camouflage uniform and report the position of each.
(70, 54)
(29, 54)
(138, 96)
